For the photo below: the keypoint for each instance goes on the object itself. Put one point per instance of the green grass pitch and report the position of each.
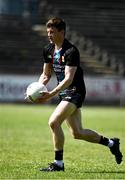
(26, 144)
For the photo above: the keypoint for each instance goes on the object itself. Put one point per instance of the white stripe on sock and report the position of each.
(111, 142)
(59, 163)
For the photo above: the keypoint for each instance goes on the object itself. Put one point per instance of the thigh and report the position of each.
(62, 112)
(74, 121)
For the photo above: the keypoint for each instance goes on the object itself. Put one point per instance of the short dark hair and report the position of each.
(56, 22)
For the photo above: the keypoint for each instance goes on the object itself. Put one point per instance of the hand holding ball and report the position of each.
(35, 91)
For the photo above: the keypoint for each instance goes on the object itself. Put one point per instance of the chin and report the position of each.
(51, 41)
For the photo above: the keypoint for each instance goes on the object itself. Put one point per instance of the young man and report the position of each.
(63, 57)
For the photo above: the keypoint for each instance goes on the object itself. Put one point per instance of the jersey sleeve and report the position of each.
(72, 57)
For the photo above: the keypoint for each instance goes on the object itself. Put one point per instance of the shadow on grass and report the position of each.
(108, 172)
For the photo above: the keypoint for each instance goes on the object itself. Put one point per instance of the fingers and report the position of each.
(44, 96)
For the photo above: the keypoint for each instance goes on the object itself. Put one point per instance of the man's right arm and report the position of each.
(46, 74)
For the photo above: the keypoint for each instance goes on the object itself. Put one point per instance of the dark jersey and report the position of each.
(67, 55)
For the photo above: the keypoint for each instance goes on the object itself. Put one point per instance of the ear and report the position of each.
(63, 32)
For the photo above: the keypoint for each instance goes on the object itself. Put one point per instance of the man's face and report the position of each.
(53, 34)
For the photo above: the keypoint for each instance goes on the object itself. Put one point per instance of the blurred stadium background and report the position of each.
(97, 28)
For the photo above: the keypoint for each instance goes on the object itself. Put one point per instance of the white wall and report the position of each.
(13, 87)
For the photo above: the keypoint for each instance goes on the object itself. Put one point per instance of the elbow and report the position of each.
(46, 79)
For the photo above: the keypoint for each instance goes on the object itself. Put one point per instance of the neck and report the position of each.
(59, 44)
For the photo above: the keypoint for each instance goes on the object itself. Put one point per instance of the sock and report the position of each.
(104, 141)
(59, 157)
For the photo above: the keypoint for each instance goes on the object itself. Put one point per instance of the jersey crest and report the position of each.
(57, 58)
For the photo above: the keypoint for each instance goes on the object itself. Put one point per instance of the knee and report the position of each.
(53, 124)
(76, 134)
